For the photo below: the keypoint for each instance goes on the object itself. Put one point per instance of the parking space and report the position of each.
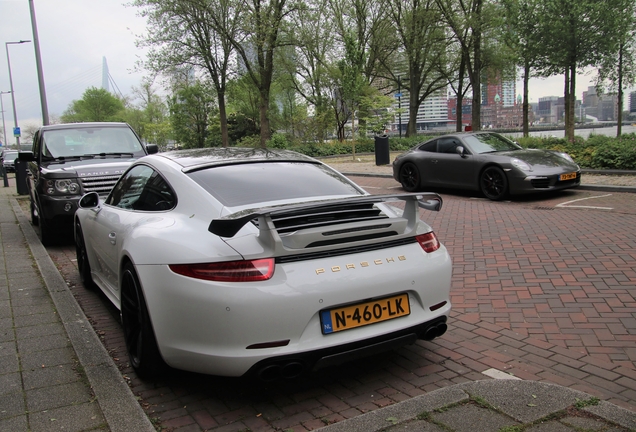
(543, 288)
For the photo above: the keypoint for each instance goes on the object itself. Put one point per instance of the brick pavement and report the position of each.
(43, 386)
(544, 293)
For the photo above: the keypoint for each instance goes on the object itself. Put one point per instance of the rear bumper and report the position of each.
(291, 366)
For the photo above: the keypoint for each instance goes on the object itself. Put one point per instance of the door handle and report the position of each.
(113, 238)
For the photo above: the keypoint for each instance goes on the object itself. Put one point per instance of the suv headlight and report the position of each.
(62, 187)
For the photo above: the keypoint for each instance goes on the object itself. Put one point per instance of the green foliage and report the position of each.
(191, 108)
(278, 141)
(616, 154)
(96, 105)
(249, 141)
(597, 152)
(336, 148)
(240, 126)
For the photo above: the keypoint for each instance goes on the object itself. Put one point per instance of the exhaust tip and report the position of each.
(441, 329)
(434, 331)
(293, 370)
(270, 373)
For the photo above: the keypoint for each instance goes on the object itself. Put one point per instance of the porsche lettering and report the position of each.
(353, 266)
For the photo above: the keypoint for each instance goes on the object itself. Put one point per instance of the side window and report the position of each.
(447, 145)
(430, 146)
(143, 189)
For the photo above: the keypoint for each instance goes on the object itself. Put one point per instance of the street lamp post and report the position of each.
(4, 127)
(15, 116)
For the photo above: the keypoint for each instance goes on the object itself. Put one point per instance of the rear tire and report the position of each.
(493, 183)
(141, 343)
(410, 177)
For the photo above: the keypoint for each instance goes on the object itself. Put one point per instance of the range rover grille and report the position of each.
(100, 184)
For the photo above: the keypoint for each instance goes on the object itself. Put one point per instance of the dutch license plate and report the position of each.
(361, 314)
(568, 176)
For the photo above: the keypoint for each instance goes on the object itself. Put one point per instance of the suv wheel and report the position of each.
(46, 235)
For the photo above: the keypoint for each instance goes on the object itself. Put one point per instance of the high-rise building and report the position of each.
(603, 107)
(504, 90)
(433, 112)
(632, 102)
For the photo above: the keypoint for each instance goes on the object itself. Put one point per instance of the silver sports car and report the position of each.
(485, 162)
(250, 261)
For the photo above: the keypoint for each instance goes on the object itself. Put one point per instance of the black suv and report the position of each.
(69, 160)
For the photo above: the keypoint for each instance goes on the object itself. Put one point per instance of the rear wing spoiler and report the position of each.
(229, 225)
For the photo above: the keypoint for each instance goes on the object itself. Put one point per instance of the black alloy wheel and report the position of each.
(139, 336)
(493, 183)
(410, 177)
(83, 266)
(47, 237)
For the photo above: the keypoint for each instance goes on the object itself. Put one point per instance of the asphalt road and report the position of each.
(544, 288)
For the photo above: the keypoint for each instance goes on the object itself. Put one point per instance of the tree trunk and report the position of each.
(225, 139)
(476, 72)
(566, 103)
(476, 105)
(570, 113)
(619, 124)
(411, 128)
(460, 96)
(264, 118)
(526, 110)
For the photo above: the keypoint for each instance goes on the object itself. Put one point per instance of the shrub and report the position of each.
(278, 141)
(615, 154)
(598, 151)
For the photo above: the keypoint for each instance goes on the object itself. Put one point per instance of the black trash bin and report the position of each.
(382, 150)
(21, 177)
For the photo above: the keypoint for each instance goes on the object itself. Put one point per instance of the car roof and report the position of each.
(87, 125)
(194, 159)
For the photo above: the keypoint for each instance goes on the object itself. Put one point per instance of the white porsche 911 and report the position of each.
(233, 261)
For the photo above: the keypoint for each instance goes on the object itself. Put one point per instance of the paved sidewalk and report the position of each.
(493, 405)
(54, 372)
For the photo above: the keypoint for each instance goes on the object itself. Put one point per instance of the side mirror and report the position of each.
(88, 201)
(152, 148)
(460, 151)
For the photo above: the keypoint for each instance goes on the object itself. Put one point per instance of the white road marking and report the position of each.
(497, 374)
(565, 204)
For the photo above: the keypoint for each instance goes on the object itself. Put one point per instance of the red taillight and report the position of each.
(428, 242)
(231, 271)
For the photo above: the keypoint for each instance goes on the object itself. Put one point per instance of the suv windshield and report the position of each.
(68, 143)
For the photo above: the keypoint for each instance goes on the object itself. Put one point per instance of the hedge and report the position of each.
(597, 152)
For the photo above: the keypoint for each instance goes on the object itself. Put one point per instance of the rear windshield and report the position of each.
(245, 184)
(91, 141)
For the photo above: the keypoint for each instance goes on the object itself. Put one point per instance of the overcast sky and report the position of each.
(75, 36)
